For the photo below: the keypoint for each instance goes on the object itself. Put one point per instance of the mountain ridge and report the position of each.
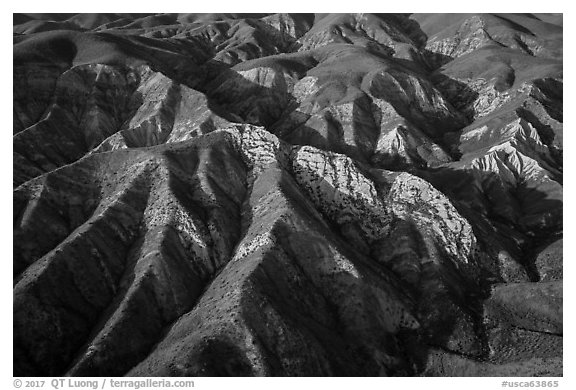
(287, 194)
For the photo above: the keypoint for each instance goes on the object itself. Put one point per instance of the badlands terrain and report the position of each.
(287, 194)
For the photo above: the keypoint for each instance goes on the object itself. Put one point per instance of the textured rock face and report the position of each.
(469, 36)
(287, 194)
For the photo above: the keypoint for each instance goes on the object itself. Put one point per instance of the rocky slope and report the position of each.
(287, 194)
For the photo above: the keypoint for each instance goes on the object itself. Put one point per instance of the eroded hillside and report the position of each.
(287, 194)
